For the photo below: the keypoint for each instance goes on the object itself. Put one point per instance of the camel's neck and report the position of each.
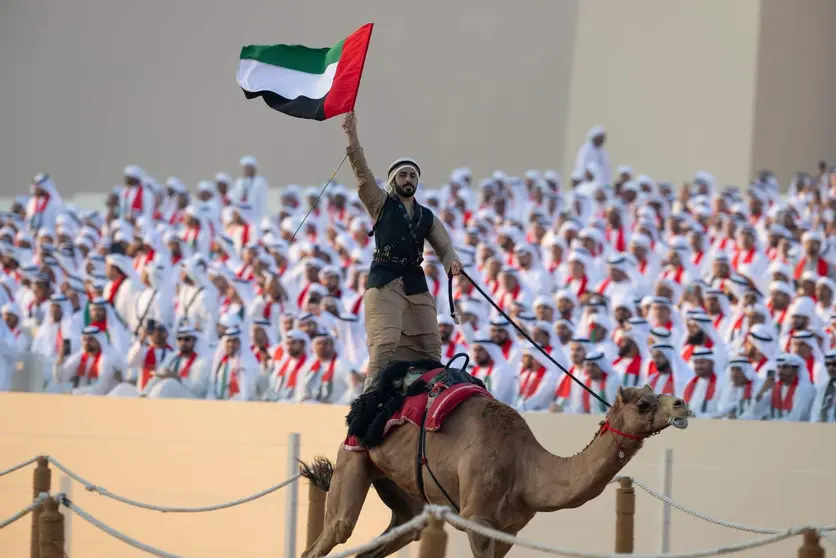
(555, 483)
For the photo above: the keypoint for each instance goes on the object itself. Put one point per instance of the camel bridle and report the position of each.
(607, 427)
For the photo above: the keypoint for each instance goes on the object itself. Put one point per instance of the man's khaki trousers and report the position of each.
(399, 327)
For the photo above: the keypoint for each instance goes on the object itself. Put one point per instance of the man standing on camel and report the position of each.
(400, 313)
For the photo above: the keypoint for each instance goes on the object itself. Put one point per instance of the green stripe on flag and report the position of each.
(294, 57)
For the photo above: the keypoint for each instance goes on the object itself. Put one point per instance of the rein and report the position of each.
(518, 328)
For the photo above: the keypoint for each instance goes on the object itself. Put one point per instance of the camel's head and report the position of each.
(641, 412)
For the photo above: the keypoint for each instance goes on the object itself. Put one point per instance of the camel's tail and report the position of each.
(319, 472)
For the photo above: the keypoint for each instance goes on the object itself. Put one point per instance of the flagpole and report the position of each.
(333, 174)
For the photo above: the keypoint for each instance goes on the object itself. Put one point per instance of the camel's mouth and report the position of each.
(680, 423)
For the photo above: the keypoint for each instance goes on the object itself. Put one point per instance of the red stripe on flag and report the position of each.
(343, 93)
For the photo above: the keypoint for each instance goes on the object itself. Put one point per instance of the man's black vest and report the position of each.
(399, 246)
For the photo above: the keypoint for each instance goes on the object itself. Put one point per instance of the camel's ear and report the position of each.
(647, 389)
(623, 396)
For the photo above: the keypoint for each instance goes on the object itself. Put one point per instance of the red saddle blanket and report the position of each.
(412, 410)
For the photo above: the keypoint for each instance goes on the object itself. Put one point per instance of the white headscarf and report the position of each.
(557, 352)
(764, 340)
(718, 347)
(809, 338)
(125, 265)
(639, 338)
(796, 361)
(245, 355)
(681, 372)
(493, 350)
(45, 338)
(269, 331)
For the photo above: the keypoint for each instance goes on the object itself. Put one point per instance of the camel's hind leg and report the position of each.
(403, 509)
(350, 483)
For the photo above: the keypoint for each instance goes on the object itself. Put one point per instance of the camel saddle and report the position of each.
(425, 399)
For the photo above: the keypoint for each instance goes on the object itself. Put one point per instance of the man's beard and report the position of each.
(663, 367)
(696, 338)
(402, 192)
(625, 350)
(482, 361)
(325, 355)
(445, 337)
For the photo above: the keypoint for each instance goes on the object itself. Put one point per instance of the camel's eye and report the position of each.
(643, 405)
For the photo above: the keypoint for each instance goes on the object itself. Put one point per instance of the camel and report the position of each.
(488, 461)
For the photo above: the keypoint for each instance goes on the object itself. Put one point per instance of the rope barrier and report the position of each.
(169, 509)
(62, 498)
(22, 513)
(418, 522)
(414, 524)
(480, 529)
(18, 466)
(828, 537)
(714, 520)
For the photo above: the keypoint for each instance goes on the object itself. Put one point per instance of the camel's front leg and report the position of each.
(353, 474)
(501, 549)
(481, 546)
(404, 508)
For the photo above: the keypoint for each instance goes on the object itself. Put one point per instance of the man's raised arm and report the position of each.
(371, 196)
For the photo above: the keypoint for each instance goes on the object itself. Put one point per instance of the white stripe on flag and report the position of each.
(258, 76)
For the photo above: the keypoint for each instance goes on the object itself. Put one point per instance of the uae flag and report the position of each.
(305, 82)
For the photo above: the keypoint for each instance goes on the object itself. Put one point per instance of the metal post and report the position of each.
(291, 509)
(667, 483)
(41, 482)
(625, 515)
(51, 530)
(65, 486)
(810, 548)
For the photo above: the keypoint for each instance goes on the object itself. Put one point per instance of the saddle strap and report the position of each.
(421, 460)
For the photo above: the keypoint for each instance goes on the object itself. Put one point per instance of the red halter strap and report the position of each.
(607, 426)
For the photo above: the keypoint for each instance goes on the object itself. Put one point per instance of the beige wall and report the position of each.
(673, 83)
(795, 115)
(201, 452)
(92, 85)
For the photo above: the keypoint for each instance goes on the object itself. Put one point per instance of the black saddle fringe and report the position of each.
(370, 411)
